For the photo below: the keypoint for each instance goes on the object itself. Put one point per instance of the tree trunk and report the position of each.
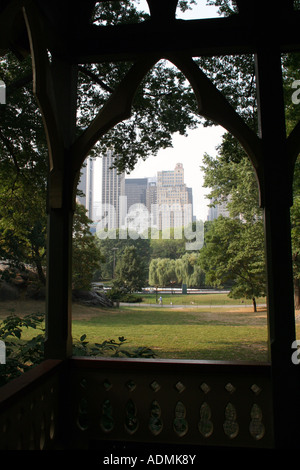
(40, 271)
(254, 304)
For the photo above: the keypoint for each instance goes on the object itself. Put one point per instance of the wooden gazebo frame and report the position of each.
(68, 402)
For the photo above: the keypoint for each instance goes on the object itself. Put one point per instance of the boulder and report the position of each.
(91, 298)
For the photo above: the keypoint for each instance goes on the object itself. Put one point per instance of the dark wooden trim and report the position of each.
(171, 365)
(26, 382)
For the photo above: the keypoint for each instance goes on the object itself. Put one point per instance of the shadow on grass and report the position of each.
(171, 316)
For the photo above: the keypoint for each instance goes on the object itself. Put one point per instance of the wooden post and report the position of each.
(55, 87)
(61, 207)
(276, 199)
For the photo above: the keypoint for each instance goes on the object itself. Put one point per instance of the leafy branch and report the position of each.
(22, 355)
(110, 347)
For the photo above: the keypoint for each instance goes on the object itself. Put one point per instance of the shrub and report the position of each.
(122, 295)
(22, 355)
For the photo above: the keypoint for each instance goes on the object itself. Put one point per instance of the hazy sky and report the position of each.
(186, 150)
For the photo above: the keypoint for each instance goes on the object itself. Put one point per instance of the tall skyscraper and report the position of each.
(151, 200)
(86, 186)
(135, 191)
(173, 199)
(113, 192)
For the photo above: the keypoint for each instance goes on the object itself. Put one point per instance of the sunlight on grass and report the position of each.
(198, 299)
(213, 331)
(180, 333)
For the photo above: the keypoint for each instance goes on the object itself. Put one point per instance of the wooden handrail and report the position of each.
(27, 381)
(169, 364)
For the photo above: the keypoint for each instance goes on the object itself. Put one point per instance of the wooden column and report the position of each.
(61, 204)
(55, 87)
(276, 198)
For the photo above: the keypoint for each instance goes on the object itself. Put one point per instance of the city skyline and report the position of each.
(187, 150)
(126, 201)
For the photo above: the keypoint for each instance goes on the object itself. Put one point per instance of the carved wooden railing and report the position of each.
(194, 403)
(30, 413)
(79, 403)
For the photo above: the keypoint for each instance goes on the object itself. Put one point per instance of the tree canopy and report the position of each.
(131, 271)
(233, 252)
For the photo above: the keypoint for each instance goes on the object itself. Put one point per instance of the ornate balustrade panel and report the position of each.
(29, 409)
(197, 403)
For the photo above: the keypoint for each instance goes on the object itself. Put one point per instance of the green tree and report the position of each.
(86, 253)
(233, 255)
(23, 221)
(167, 271)
(23, 170)
(167, 248)
(112, 245)
(162, 272)
(233, 251)
(188, 270)
(153, 273)
(131, 271)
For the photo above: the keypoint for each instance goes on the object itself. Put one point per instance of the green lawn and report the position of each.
(198, 299)
(210, 331)
(180, 333)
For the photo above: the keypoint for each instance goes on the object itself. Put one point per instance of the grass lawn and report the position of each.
(208, 333)
(198, 299)
(180, 333)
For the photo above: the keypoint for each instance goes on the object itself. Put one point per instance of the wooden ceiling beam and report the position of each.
(217, 36)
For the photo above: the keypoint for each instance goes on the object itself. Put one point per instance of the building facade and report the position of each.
(173, 199)
(151, 200)
(113, 194)
(86, 187)
(135, 191)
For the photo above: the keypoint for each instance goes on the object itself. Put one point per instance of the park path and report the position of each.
(189, 305)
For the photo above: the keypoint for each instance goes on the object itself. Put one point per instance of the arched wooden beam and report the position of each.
(116, 109)
(211, 104)
(214, 106)
(43, 88)
(54, 85)
(43, 83)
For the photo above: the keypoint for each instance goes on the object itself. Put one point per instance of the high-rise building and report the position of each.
(135, 191)
(190, 199)
(86, 186)
(151, 200)
(113, 192)
(173, 199)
